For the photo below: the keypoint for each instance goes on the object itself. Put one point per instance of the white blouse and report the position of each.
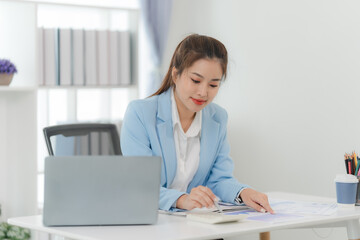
(187, 147)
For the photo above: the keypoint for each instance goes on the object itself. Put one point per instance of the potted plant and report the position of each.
(10, 232)
(7, 71)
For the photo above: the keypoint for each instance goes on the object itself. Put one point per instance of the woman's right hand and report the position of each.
(199, 197)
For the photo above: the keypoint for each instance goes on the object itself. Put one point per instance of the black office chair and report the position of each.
(82, 139)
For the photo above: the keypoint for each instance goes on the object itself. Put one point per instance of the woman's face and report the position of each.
(197, 86)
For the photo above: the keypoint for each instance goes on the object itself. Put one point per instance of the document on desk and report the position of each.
(303, 208)
(251, 213)
(286, 210)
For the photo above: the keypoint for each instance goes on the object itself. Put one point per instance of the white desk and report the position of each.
(177, 227)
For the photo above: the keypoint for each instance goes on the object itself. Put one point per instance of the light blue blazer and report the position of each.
(147, 130)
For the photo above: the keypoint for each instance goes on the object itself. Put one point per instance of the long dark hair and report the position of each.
(191, 49)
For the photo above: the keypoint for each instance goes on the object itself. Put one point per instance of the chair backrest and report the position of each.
(82, 139)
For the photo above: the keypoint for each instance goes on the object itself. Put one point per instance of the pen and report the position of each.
(357, 166)
(349, 165)
(217, 206)
(346, 163)
(352, 166)
(355, 159)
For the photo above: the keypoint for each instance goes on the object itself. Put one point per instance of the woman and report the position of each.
(180, 124)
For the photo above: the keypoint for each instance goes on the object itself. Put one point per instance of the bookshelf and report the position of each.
(19, 106)
(18, 89)
(132, 86)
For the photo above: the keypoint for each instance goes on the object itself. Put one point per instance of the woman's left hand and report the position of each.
(257, 200)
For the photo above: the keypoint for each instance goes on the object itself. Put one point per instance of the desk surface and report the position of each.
(177, 227)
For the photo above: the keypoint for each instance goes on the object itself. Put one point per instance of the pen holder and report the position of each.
(357, 202)
(346, 189)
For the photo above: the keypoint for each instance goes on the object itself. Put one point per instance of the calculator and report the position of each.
(213, 218)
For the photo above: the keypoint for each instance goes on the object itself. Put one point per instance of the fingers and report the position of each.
(260, 207)
(257, 200)
(267, 207)
(184, 202)
(193, 204)
(199, 197)
(256, 206)
(261, 199)
(203, 195)
(207, 192)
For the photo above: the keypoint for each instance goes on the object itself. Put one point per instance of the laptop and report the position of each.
(101, 190)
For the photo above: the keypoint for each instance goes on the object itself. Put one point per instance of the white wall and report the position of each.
(293, 90)
(18, 167)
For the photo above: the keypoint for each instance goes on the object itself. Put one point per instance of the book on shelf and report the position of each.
(90, 58)
(78, 57)
(78, 54)
(57, 59)
(41, 56)
(65, 58)
(113, 58)
(50, 48)
(124, 58)
(102, 57)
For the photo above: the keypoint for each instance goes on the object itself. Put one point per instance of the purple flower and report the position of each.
(7, 67)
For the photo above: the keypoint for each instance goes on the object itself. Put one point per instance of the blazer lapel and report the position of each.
(166, 136)
(208, 147)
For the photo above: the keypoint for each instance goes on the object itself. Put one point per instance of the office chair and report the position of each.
(82, 139)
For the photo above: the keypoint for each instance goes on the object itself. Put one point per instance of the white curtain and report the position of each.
(155, 17)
